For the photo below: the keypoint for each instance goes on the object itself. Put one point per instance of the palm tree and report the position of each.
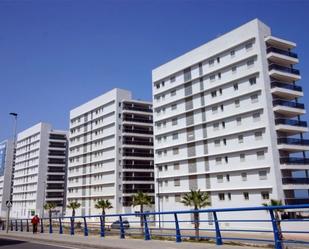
(73, 205)
(50, 206)
(277, 213)
(141, 199)
(198, 200)
(103, 204)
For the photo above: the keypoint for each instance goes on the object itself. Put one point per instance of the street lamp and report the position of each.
(9, 202)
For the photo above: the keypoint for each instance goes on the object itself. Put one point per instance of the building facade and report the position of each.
(40, 170)
(227, 121)
(6, 166)
(110, 152)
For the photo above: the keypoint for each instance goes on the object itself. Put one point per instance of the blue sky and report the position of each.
(57, 54)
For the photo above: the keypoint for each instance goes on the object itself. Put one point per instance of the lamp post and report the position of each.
(9, 202)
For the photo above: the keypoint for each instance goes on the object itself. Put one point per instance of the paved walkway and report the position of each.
(79, 241)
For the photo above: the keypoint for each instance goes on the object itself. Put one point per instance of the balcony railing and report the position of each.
(296, 201)
(138, 143)
(138, 131)
(138, 178)
(135, 108)
(283, 69)
(138, 166)
(138, 120)
(137, 154)
(283, 52)
(293, 141)
(286, 86)
(291, 180)
(290, 122)
(136, 190)
(294, 160)
(288, 103)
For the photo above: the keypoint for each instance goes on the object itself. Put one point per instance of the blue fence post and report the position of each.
(11, 225)
(146, 228)
(178, 234)
(217, 227)
(50, 225)
(60, 226)
(278, 243)
(21, 226)
(85, 227)
(72, 226)
(16, 225)
(102, 226)
(122, 233)
(42, 225)
(27, 225)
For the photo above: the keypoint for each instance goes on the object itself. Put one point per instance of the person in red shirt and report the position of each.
(35, 221)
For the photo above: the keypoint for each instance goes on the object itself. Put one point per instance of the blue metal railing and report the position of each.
(179, 226)
(280, 51)
(290, 122)
(288, 103)
(292, 141)
(284, 69)
(286, 86)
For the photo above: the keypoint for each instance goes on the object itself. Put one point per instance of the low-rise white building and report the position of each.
(40, 170)
(227, 120)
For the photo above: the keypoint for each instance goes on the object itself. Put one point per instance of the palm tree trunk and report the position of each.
(141, 218)
(197, 225)
(277, 216)
(103, 215)
(50, 216)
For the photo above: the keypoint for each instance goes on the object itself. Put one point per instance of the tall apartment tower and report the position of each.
(40, 170)
(228, 121)
(6, 166)
(110, 151)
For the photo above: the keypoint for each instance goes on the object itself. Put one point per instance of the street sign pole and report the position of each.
(8, 205)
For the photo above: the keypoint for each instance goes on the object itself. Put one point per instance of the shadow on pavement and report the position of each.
(7, 242)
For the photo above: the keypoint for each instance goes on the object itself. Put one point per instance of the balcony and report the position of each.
(292, 180)
(285, 90)
(294, 160)
(138, 178)
(288, 108)
(293, 144)
(279, 43)
(283, 73)
(296, 201)
(138, 143)
(281, 56)
(291, 126)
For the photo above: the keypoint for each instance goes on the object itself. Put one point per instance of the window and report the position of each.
(212, 78)
(220, 91)
(219, 178)
(265, 195)
(229, 196)
(250, 63)
(240, 139)
(246, 195)
(232, 53)
(223, 124)
(177, 198)
(173, 92)
(258, 135)
(227, 177)
(187, 74)
(214, 94)
(222, 107)
(218, 160)
(263, 175)
(174, 121)
(175, 151)
(172, 79)
(176, 166)
(221, 196)
(260, 155)
(244, 176)
(256, 116)
(242, 157)
(224, 141)
(216, 126)
(249, 46)
(237, 103)
(226, 159)
(211, 62)
(176, 182)
(252, 81)
(235, 86)
(157, 85)
(160, 168)
(219, 75)
(174, 106)
(175, 136)
(254, 98)
(218, 59)
(214, 109)
(234, 69)
(238, 120)
(217, 143)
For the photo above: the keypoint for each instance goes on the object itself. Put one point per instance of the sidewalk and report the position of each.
(110, 242)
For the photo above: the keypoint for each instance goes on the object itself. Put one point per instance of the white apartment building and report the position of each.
(227, 121)
(110, 152)
(40, 170)
(6, 166)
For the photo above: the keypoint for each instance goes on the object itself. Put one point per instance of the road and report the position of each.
(19, 244)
